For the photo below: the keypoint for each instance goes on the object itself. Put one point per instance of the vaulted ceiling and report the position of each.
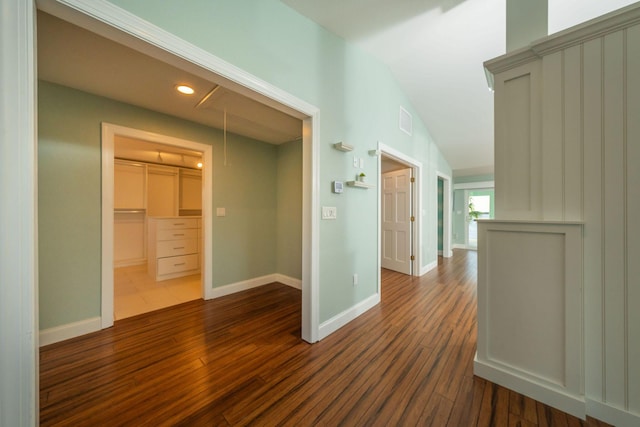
(435, 49)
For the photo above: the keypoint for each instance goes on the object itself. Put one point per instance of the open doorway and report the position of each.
(183, 243)
(157, 226)
(480, 205)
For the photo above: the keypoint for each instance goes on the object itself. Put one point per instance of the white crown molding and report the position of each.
(598, 27)
(474, 185)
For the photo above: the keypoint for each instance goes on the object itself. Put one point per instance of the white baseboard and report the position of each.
(341, 319)
(287, 280)
(241, 286)
(574, 405)
(612, 415)
(129, 263)
(253, 283)
(427, 268)
(71, 330)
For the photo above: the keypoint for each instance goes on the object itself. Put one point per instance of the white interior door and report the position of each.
(396, 221)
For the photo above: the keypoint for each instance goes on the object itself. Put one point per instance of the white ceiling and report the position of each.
(74, 57)
(435, 49)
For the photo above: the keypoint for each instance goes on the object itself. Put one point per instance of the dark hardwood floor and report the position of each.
(239, 360)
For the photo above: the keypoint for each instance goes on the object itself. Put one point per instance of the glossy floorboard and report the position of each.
(239, 360)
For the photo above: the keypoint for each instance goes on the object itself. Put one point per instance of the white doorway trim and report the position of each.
(416, 238)
(466, 186)
(474, 185)
(19, 394)
(447, 210)
(109, 132)
(110, 21)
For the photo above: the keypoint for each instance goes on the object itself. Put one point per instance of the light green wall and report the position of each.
(289, 229)
(359, 103)
(244, 241)
(69, 202)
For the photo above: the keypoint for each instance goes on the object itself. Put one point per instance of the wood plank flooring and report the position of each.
(238, 361)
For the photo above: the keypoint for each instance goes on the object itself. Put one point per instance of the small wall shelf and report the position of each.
(341, 146)
(359, 184)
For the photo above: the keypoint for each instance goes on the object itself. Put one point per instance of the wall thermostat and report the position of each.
(337, 187)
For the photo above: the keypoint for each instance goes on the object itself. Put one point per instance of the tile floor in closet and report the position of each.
(135, 292)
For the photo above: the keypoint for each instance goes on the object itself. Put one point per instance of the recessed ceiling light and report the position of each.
(185, 89)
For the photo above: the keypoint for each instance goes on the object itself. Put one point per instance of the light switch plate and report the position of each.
(221, 212)
(329, 212)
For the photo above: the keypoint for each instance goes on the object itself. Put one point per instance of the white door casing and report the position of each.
(109, 131)
(396, 221)
(18, 216)
(446, 215)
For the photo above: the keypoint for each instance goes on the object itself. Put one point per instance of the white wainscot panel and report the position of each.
(530, 310)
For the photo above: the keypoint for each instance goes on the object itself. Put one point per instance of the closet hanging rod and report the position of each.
(129, 211)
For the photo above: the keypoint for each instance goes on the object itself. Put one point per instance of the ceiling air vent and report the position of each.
(406, 121)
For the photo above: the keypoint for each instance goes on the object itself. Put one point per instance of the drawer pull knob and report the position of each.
(182, 263)
(179, 247)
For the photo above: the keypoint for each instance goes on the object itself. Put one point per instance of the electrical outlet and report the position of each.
(355, 279)
(356, 162)
(329, 212)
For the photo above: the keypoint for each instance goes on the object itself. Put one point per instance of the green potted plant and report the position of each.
(473, 213)
(360, 176)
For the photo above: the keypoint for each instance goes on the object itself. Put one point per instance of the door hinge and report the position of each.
(413, 179)
(413, 218)
(413, 257)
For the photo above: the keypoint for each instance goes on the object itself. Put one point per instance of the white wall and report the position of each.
(568, 149)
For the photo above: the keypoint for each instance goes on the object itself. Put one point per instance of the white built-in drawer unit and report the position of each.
(174, 247)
